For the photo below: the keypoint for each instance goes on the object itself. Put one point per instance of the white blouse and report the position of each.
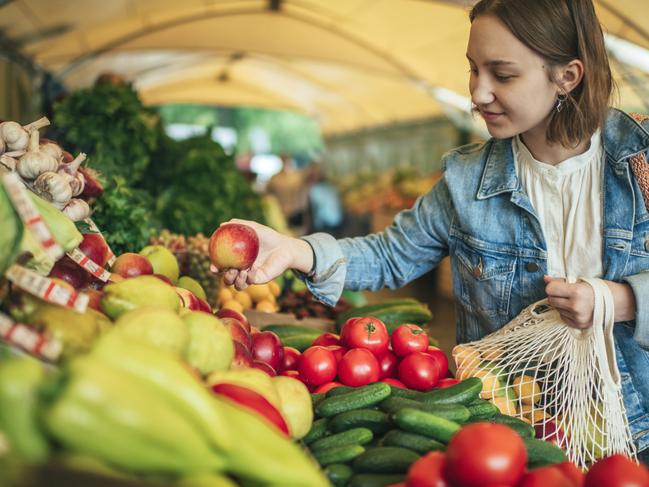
(567, 198)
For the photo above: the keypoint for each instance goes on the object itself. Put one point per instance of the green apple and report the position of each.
(163, 261)
(192, 285)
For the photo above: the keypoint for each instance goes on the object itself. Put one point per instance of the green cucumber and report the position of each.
(541, 453)
(481, 409)
(337, 391)
(338, 454)
(454, 412)
(524, 429)
(463, 393)
(338, 474)
(318, 430)
(417, 443)
(375, 480)
(406, 393)
(426, 424)
(385, 459)
(361, 397)
(316, 398)
(299, 342)
(376, 421)
(369, 309)
(355, 436)
(285, 331)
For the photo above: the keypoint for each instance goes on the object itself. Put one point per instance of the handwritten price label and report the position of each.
(89, 265)
(28, 339)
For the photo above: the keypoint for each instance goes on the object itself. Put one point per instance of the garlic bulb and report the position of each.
(3, 147)
(16, 137)
(53, 150)
(77, 210)
(34, 162)
(75, 178)
(8, 162)
(54, 188)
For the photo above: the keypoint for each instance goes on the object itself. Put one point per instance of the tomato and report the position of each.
(571, 472)
(327, 339)
(545, 477)
(441, 357)
(446, 382)
(369, 333)
(338, 351)
(317, 365)
(394, 382)
(326, 387)
(291, 358)
(483, 454)
(617, 471)
(428, 471)
(407, 339)
(419, 371)
(358, 367)
(388, 364)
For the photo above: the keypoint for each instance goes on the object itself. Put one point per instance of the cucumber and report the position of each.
(426, 424)
(361, 397)
(376, 421)
(464, 393)
(300, 342)
(337, 391)
(338, 474)
(524, 429)
(355, 436)
(316, 398)
(285, 331)
(319, 429)
(541, 453)
(481, 409)
(385, 459)
(454, 412)
(369, 309)
(338, 454)
(407, 393)
(412, 441)
(375, 480)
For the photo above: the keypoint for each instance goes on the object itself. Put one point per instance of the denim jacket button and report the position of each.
(477, 271)
(532, 267)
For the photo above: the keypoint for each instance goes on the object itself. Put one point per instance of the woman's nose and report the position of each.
(481, 93)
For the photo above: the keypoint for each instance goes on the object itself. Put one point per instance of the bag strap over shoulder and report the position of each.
(639, 165)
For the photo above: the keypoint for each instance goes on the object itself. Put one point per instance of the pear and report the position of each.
(296, 405)
(210, 344)
(159, 327)
(253, 379)
(192, 285)
(138, 291)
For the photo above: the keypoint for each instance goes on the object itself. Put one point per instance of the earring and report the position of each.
(561, 98)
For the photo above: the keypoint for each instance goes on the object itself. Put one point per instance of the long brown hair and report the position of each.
(560, 31)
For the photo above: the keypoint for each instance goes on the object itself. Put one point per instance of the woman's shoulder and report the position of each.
(467, 156)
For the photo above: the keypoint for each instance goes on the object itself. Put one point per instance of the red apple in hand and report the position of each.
(131, 265)
(233, 246)
(95, 248)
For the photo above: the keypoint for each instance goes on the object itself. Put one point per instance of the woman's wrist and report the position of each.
(303, 258)
(624, 299)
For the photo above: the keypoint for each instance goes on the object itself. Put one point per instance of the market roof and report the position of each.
(350, 64)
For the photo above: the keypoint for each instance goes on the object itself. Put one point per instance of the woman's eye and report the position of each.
(503, 77)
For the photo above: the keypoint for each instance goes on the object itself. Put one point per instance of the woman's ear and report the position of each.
(570, 75)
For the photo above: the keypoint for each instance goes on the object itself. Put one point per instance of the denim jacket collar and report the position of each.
(622, 137)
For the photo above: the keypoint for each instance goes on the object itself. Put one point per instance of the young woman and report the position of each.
(554, 194)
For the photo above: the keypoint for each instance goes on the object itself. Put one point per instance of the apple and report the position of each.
(233, 246)
(291, 358)
(69, 271)
(550, 431)
(267, 347)
(130, 264)
(190, 301)
(237, 331)
(95, 248)
(94, 296)
(163, 261)
(164, 279)
(192, 285)
(264, 367)
(242, 356)
(233, 313)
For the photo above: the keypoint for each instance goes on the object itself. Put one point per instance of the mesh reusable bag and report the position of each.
(563, 380)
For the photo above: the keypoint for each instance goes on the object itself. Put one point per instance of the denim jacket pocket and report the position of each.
(485, 279)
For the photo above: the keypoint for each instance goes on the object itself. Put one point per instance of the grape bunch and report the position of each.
(198, 263)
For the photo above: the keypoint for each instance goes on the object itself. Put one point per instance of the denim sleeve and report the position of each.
(414, 244)
(640, 285)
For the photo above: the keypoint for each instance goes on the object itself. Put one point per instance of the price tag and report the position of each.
(28, 339)
(89, 265)
(93, 227)
(45, 288)
(30, 216)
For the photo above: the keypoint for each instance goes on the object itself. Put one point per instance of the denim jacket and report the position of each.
(480, 216)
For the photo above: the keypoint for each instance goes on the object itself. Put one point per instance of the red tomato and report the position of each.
(394, 382)
(338, 351)
(388, 364)
(317, 365)
(358, 367)
(428, 471)
(617, 471)
(419, 371)
(447, 382)
(326, 387)
(327, 339)
(291, 358)
(441, 357)
(368, 332)
(545, 477)
(482, 454)
(571, 472)
(407, 339)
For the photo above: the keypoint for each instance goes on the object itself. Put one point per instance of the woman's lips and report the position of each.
(490, 116)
